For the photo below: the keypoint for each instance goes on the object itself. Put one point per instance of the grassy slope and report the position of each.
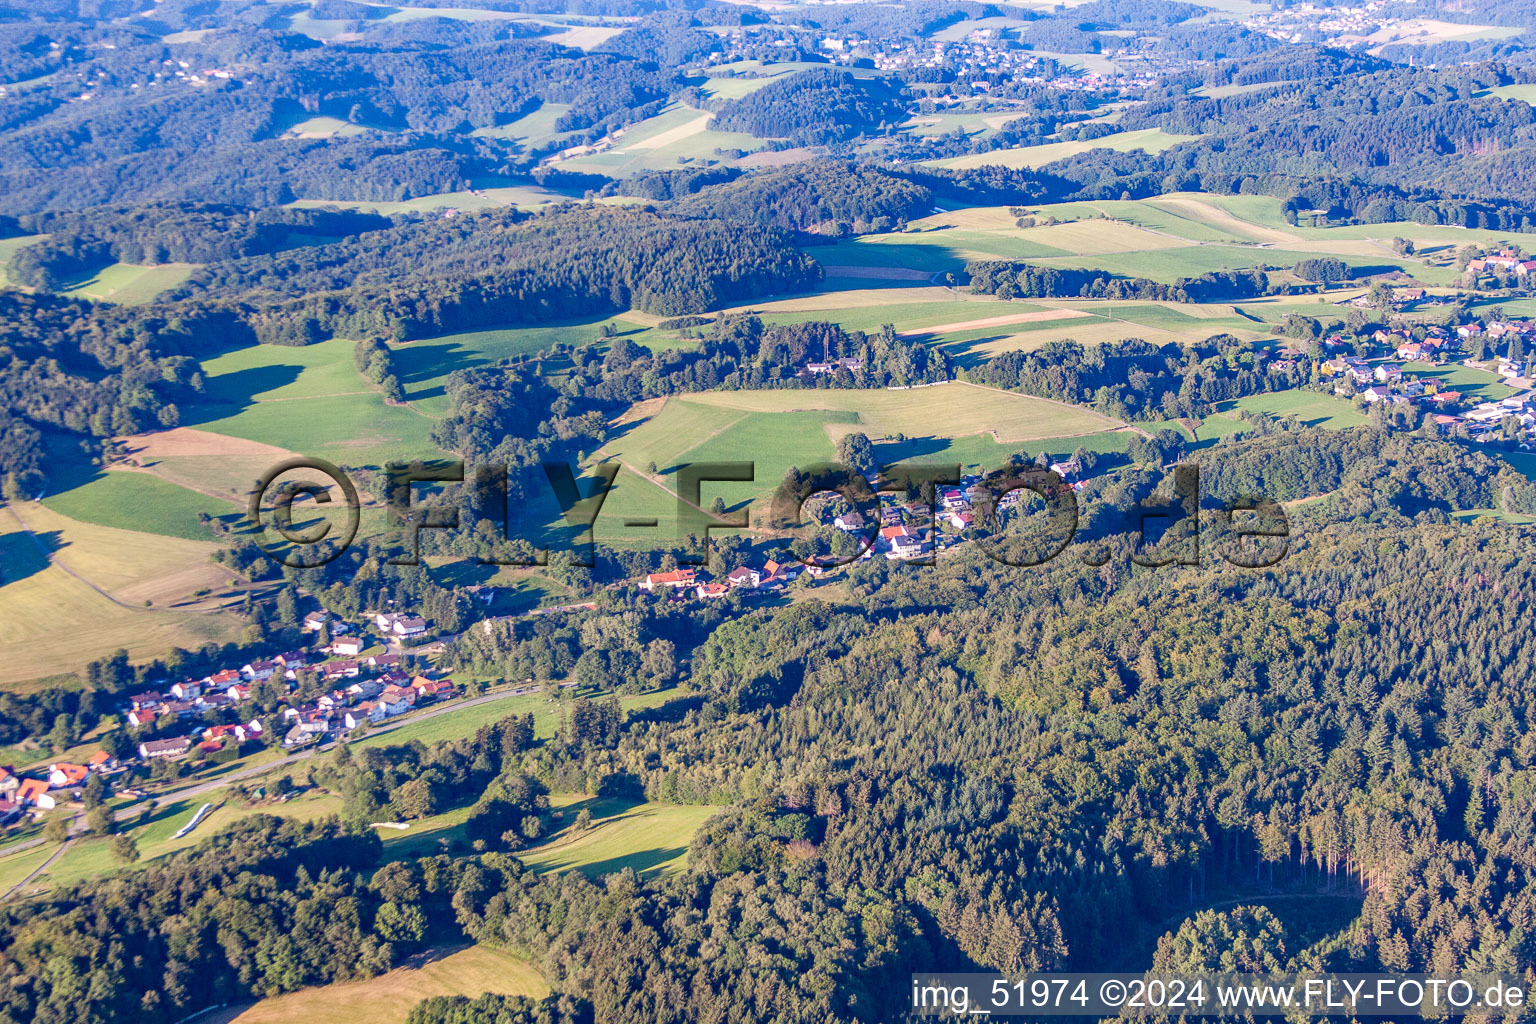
(1153, 140)
(52, 623)
(309, 400)
(651, 838)
(389, 999)
(130, 283)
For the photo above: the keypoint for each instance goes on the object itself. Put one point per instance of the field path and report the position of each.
(1212, 215)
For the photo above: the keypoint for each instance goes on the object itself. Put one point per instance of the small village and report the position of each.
(211, 718)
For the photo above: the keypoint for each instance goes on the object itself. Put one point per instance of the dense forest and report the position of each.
(476, 269)
(815, 107)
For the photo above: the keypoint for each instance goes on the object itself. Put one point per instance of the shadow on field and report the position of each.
(972, 352)
(233, 393)
(20, 557)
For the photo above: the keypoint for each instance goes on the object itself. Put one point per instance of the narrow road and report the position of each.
(202, 788)
(13, 890)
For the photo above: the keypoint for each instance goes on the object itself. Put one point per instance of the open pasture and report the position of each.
(309, 400)
(1152, 140)
(651, 838)
(678, 135)
(52, 622)
(129, 283)
(389, 998)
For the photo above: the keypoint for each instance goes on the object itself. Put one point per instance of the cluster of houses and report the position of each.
(906, 530)
(366, 700)
(1506, 261)
(43, 791)
(1485, 421)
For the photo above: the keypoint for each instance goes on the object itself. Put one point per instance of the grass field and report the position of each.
(1152, 140)
(8, 249)
(546, 717)
(53, 623)
(1171, 236)
(678, 135)
(309, 400)
(16, 866)
(485, 196)
(1310, 407)
(388, 999)
(325, 128)
(139, 502)
(1524, 93)
(651, 838)
(534, 128)
(424, 365)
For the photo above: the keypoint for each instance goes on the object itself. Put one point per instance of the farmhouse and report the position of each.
(34, 792)
(677, 579)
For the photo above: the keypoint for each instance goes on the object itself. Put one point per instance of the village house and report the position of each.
(367, 711)
(34, 793)
(901, 542)
(397, 700)
(142, 716)
(779, 573)
(64, 775)
(365, 690)
(306, 732)
(145, 700)
(187, 690)
(349, 646)
(400, 625)
(431, 689)
(176, 747)
(314, 622)
(744, 577)
(8, 783)
(333, 670)
(1388, 373)
(848, 522)
(677, 579)
(259, 671)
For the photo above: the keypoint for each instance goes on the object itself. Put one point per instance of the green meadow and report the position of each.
(141, 502)
(310, 400)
